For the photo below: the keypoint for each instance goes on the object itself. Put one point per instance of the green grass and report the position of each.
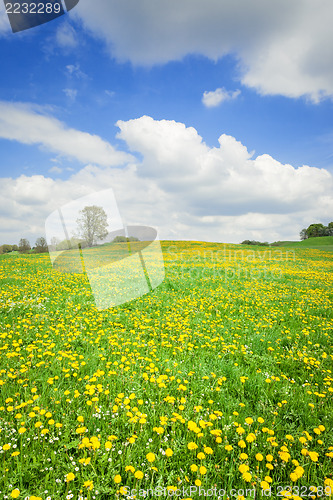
(233, 349)
(322, 243)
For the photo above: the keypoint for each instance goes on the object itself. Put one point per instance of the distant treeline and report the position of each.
(42, 247)
(317, 230)
(253, 242)
(25, 247)
(313, 231)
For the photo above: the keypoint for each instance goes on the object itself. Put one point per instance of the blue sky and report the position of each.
(136, 100)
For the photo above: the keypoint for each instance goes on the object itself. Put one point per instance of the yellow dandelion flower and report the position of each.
(247, 477)
(299, 471)
(243, 468)
(88, 484)
(284, 456)
(251, 437)
(313, 455)
(208, 450)
(150, 457)
(108, 445)
(81, 430)
(129, 468)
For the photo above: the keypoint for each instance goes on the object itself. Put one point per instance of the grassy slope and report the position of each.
(323, 243)
(232, 335)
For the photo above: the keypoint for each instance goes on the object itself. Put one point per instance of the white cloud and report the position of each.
(220, 181)
(184, 188)
(70, 93)
(75, 70)
(56, 170)
(29, 125)
(4, 22)
(282, 47)
(66, 36)
(214, 98)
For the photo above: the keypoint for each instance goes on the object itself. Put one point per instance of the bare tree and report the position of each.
(92, 224)
(24, 245)
(41, 245)
(303, 234)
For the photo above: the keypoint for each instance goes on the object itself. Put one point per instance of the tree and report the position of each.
(330, 228)
(253, 242)
(24, 245)
(303, 234)
(7, 248)
(123, 239)
(15, 248)
(41, 245)
(70, 244)
(315, 230)
(92, 224)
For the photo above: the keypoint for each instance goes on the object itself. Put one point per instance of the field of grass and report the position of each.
(219, 378)
(321, 243)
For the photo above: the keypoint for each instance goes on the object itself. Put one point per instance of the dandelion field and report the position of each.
(222, 376)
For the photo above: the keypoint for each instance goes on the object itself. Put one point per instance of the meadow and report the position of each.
(219, 378)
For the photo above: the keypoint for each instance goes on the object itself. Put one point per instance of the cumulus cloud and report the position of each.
(66, 36)
(4, 22)
(70, 93)
(30, 125)
(56, 170)
(282, 47)
(183, 187)
(74, 70)
(214, 98)
(224, 180)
